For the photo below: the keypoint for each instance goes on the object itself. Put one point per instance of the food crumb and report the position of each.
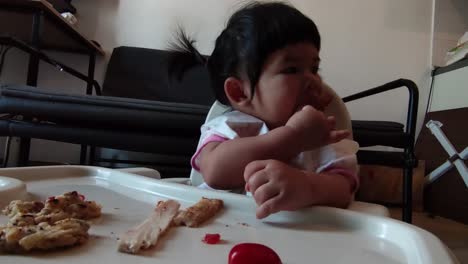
(226, 225)
(244, 224)
(212, 239)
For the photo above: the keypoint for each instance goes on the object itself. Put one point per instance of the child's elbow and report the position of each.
(344, 200)
(212, 181)
(211, 178)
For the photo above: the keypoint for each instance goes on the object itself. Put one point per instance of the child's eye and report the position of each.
(315, 69)
(290, 70)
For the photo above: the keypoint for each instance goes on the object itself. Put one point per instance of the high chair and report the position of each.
(336, 108)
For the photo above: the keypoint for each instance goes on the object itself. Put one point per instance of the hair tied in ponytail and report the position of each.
(183, 55)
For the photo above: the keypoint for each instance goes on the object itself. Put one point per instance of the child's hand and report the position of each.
(314, 129)
(277, 186)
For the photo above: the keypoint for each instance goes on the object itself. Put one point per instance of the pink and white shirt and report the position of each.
(339, 158)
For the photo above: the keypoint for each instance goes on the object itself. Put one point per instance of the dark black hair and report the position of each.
(251, 35)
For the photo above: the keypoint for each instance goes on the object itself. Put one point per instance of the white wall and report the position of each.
(450, 23)
(365, 43)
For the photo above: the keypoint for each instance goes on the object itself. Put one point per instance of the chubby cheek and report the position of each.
(281, 100)
(290, 101)
(283, 111)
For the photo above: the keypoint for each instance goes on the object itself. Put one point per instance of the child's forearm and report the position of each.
(222, 166)
(330, 189)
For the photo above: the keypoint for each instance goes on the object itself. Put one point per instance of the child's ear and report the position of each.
(236, 91)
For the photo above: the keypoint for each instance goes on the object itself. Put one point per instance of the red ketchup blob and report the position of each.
(252, 253)
(212, 238)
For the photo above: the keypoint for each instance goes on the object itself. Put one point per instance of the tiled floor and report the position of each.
(453, 234)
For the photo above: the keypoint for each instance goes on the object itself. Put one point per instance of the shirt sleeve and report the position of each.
(340, 158)
(226, 127)
(194, 161)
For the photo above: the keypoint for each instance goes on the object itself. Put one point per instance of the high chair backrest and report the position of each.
(336, 108)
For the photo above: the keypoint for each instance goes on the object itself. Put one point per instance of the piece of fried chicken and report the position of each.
(147, 233)
(22, 213)
(63, 233)
(198, 213)
(67, 205)
(23, 207)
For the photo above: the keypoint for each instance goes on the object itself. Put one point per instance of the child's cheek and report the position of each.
(325, 99)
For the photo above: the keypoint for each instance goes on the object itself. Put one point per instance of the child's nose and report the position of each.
(313, 77)
(315, 90)
(314, 84)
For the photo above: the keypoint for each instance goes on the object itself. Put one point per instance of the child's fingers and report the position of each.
(265, 192)
(308, 108)
(253, 167)
(331, 121)
(269, 207)
(258, 179)
(338, 135)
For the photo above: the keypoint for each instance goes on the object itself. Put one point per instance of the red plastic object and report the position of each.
(252, 253)
(212, 238)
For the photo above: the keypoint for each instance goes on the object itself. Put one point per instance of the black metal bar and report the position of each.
(412, 116)
(83, 150)
(89, 90)
(413, 102)
(383, 88)
(91, 65)
(410, 129)
(407, 197)
(62, 48)
(6, 154)
(7, 40)
(97, 88)
(92, 156)
(33, 71)
(24, 147)
(33, 67)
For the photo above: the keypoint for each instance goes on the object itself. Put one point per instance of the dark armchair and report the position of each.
(140, 110)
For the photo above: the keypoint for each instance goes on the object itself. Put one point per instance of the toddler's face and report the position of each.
(289, 81)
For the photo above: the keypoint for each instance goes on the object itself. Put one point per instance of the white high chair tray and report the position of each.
(316, 235)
